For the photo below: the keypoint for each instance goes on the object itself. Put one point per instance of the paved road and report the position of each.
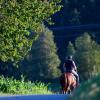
(35, 97)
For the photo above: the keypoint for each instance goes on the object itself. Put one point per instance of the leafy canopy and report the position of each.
(43, 61)
(17, 17)
(87, 56)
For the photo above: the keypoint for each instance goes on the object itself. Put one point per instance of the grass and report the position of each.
(11, 86)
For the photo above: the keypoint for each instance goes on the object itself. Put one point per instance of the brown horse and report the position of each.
(68, 82)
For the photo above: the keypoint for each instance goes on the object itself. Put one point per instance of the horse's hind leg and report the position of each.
(69, 91)
(64, 90)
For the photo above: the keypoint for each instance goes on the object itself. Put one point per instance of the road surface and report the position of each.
(36, 97)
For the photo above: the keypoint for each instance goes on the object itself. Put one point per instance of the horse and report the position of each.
(68, 82)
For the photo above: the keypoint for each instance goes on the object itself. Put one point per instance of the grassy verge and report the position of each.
(15, 87)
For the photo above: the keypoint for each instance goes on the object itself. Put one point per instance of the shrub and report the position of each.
(12, 86)
(89, 90)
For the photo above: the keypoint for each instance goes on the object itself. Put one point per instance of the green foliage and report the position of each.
(89, 90)
(79, 12)
(73, 15)
(43, 61)
(70, 49)
(87, 56)
(12, 86)
(17, 18)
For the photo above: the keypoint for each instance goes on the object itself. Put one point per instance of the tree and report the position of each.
(87, 55)
(17, 18)
(70, 49)
(43, 61)
(75, 17)
(95, 58)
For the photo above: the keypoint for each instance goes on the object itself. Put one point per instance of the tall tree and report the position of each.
(75, 12)
(43, 60)
(17, 18)
(70, 49)
(87, 55)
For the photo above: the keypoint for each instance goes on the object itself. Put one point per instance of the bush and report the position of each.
(12, 86)
(89, 90)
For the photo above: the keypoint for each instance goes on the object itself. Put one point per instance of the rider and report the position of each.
(70, 66)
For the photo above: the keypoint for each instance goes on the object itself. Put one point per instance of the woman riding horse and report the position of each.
(70, 71)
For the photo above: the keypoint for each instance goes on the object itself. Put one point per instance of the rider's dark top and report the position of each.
(69, 65)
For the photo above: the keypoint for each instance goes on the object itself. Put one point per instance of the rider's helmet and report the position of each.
(70, 57)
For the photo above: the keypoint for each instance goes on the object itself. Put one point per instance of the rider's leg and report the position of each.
(76, 75)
